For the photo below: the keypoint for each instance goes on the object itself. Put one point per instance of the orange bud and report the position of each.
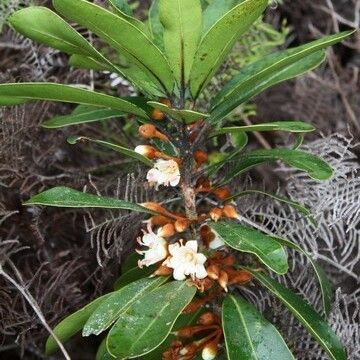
(147, 150)
(167, 230)
(148, 131)
(153, 206)
(213, 272)
(223, 280)
(162, 271)
(228, 260)
(241, 277)
(210, 350)
(157, 114)
(166, 102)
(215, 214)
(203, 183)
(200, 157)
(222, 193)
(206, 235)
(208, 318)
(159, 220)
(229, 211)
(181, 225)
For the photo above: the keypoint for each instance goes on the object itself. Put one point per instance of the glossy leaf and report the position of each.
(125, 151)
(182, 22)
(219, 40)
(308, 317)
(124, 37)
(215, 10)
(188, 116)
(102, 353)
(88, 63)
(148, 322)
(69, 198)
(316, 168)
(122, 9)
(248, 335)
(325, 285)
(155, 26)
(246, 239)
(132, 275)
(44, 26)
(72, 324)
(296, 205)
(291, 126)
(116, 304)
(11, 101)
(81, 115)
(70, 94)
(269, 71)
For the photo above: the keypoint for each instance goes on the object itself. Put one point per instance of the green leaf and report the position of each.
(44, 26)
(219, 40)
(62, 196)
(148, 322)
(291, 126)
(325, 285)
(81, 115)
(296, 205)
(130, 262)
(116, 304)
(245, 239)
(124, 37)
(102, 353)
(316, 168)
(11, 101)
(122, 9)
(309, 318)
(182, 22)
(70, 94)
(248, 335)
(215, 10)
(155, 26)
(188, 116)
(132, 275)
(270, 70)
(182, 320)
(88, 63)
(125, 151)
(72, 324)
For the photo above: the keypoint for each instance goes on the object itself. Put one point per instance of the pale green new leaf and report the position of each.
(316, 168)
(123, 150)
(248, 335)
(72, 324)
(67, 93)
(62, 196)
(116, 304)
(290, 126)
(187, 116)
(246, 239)
(309, 318)
(182, 22)
(123, 36)
(43, 25)
(148, 321)
(220, 39)
(155, 26)
(81, 115)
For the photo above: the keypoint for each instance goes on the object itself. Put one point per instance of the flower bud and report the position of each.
(146, 150)
(148, 131)
(166, 102)
(203, 183)
(223, 280)
(209, 352)
(222, 193)
(159, 220)
(181, 225)
(208, 318)
(167, 230)
(229, 211)
(215, 214)
(240, 277)
(213, 272)
(157, 114)
(200, 157)
(162, 271)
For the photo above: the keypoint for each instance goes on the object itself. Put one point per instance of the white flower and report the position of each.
(165, 172)
(185, 260)
(217, 242)
(158, 248)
